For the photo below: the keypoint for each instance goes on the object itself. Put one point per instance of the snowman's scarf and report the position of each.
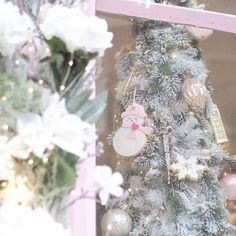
(134, 127)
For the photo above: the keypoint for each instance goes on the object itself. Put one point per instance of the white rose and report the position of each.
(25, 221)
(76, 30)
(15, 28)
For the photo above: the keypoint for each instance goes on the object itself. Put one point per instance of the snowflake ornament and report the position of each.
(187, 168)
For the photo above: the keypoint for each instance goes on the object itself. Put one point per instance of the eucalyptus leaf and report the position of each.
(92, 109)
(76, 102)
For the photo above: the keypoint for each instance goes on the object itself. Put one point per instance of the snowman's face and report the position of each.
(129, 120)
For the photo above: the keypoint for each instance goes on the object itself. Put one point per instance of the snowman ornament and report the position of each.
(131, 137)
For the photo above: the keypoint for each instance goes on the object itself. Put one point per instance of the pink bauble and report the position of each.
(228, 183)
(194, 93)
(199, 33)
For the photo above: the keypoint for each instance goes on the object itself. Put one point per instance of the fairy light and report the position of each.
(62, 87)
(10, 165)
(30, 162)
(23, 194)
(5, 127)
(109, 227)
(47, 50)
(31, 49)
(51, 147)
(103, 203)
(41, 82)
(45, 160)
(30, 90)
(4, 184)
(4, 98)
(70, 63)
(72, 193)
(17, 62)
(130, 190)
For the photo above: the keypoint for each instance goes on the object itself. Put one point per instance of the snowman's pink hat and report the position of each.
(134, 109)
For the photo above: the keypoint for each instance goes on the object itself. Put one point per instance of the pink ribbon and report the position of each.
(134, 127)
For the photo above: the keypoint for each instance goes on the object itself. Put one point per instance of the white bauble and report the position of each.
(116, 222)
(126, 147)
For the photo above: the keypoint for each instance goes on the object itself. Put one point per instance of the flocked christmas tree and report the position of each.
(167, 137)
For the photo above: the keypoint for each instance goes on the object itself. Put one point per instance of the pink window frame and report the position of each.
(83, 213)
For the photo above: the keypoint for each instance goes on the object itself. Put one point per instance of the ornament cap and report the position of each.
(134, 109)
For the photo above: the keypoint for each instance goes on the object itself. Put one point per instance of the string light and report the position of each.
(4, 184)
(30, 162)
(70, 63)
(62, 87)
(17, 62)
(45, 160)
(51, 147)
(5, 127)
(103, 203)
(31, 49)
(30, 90)
(23, 194)
(73, 193)
(41, 82)
(4, 98)
(109, 227)
(10, 165)
(47, 50)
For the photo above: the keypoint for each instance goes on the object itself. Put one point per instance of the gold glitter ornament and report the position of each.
(194, 93)
(218, 127)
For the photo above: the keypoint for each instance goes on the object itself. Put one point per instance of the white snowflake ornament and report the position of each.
(187, 168)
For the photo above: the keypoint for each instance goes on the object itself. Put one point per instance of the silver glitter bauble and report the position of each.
(116, 222)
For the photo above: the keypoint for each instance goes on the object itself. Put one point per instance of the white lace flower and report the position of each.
(15, 28)
(25, 221)
(76, 30)
(106, 183)
(55, 126)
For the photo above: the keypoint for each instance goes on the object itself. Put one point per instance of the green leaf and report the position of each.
(92, 109)
(57, 45)
(65, 174)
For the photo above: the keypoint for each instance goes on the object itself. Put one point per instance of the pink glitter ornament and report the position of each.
(228, 183)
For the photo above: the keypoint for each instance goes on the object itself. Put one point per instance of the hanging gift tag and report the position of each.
(131, 137)
(218, 126)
